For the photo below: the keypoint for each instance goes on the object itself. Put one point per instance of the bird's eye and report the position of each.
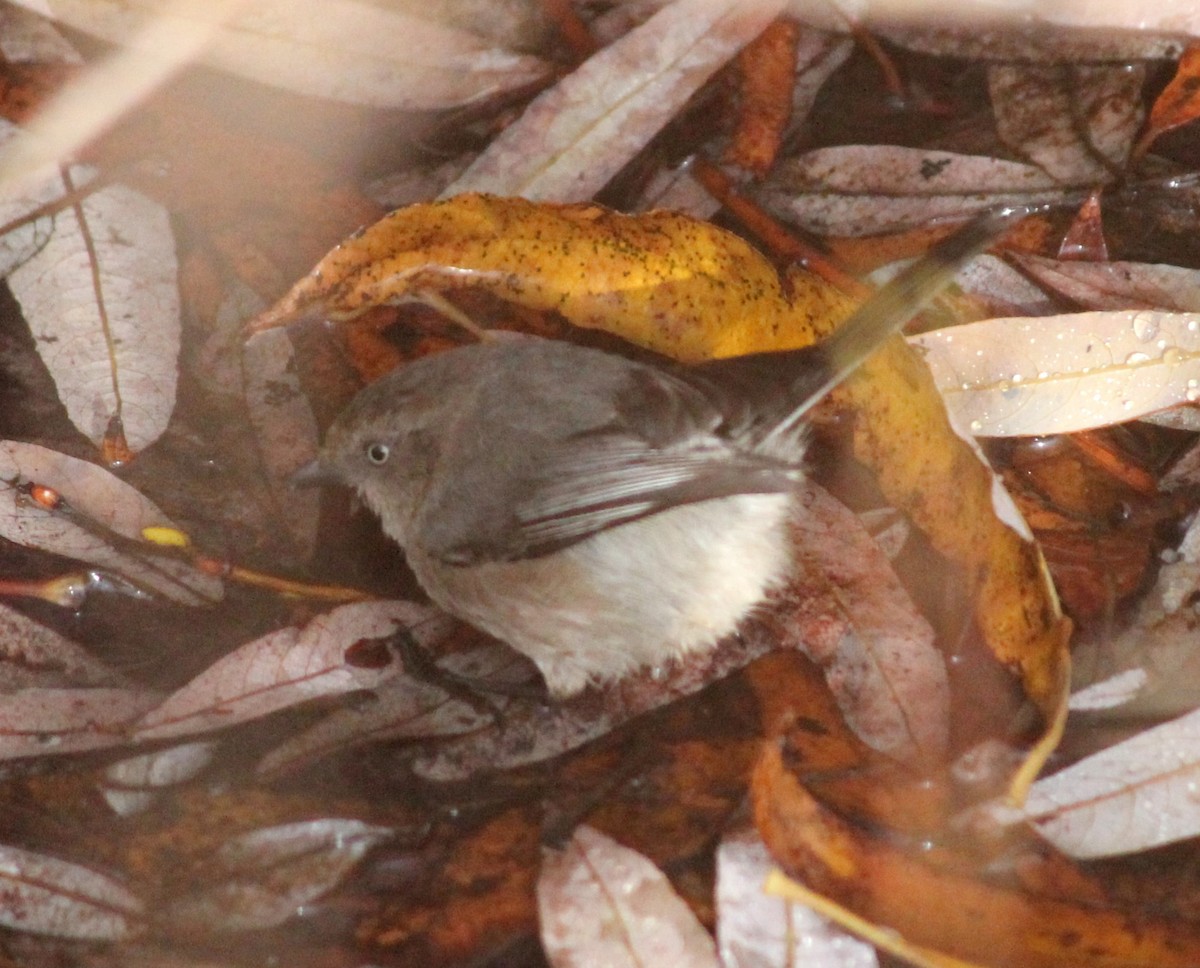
(378, 453)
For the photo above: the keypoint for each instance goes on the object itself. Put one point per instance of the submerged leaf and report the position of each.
(758, 930)
(266, 876)
(601, 903)
(103, 525)
(335, 653)
(50, 896)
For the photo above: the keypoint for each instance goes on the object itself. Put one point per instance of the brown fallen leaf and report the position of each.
(941, 901)
(765, 69)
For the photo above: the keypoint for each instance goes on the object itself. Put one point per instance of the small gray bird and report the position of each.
(601, 515)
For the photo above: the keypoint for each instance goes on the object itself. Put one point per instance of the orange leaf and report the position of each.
(1179, 102)
(932, 898)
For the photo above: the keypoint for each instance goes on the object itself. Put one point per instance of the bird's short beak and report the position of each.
(314, 474)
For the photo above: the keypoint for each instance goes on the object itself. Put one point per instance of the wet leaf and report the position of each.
(40, 722)
(290, 666)
(569, 142)
(757, 930)
(267, 876)
(1076, 122)
(286, 432)
(868, 189)
(398, 708)
(1115, 285)
(46, 895)
(106, 513)
(859, 625)
(98, 289)
(1133, 796)
(33, 655)
(1006, 377)
(341, 49)
(601, 903)
(941, 901)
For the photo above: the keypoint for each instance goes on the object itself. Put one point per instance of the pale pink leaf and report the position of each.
(46, 895)
(102, 498)
(1136, 795)
(867, 189)
(604, 904)
(404, 707)
(40, 722)
(1116, 285)
(572, 139)
(291, 665)
(344, 49)
(267, 876)
(116, 354)
(758, 930)
(1059, 374)
(857, 622)
(1002, 290)
(1077, 122)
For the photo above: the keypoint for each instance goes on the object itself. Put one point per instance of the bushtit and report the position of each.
(595, 513)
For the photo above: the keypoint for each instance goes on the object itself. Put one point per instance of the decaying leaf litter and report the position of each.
(226, 714)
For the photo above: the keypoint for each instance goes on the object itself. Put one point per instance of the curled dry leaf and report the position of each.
(1076, 122)
(601, 903)
(572, 139)
(868, 189)
(1059, 374)
(757, 930)
(105, 504)
(47, 895)
(266, 876)
(97, 285)
(335, 653)
(344, 49)
(693, 291)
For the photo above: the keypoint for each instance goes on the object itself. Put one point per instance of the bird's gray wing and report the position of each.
(662, 446)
